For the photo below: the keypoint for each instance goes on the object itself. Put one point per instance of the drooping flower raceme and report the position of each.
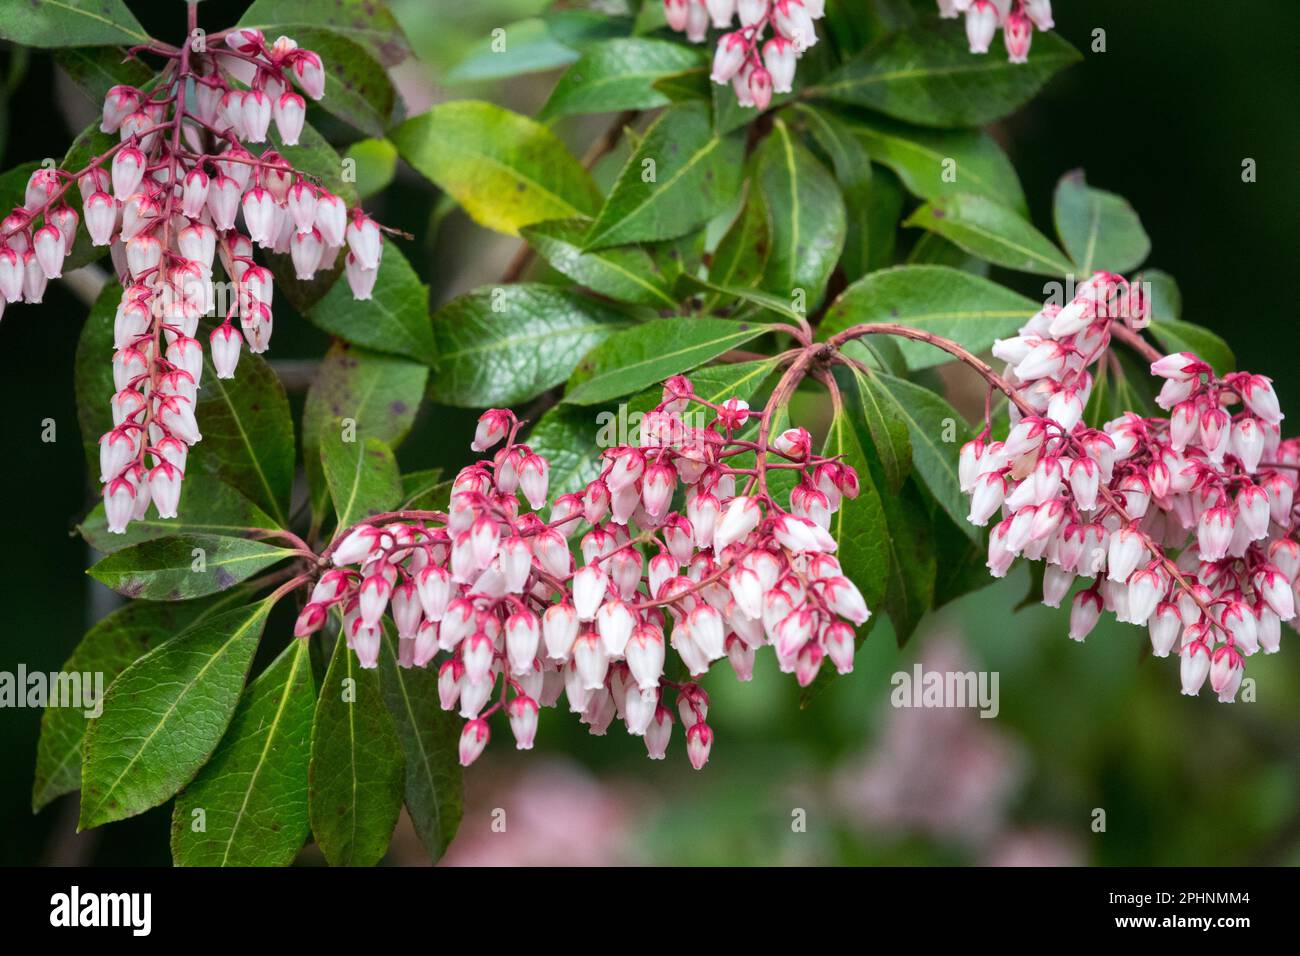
(168, 200)
(684, 547)
(755, 68)
(1182, 523)
(1017, 18)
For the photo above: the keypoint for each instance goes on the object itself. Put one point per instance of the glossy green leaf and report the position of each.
(247, 433)
(619, 75)
(649, 353)
(965, 308)
(937, 433)
(362, 477)
(357, 88)
(426, 490)
(109, 647)
(852, 165)
(913, 568)
(184, 566)
(506, 170)
(97, 69)
(936, 163)
(1099, 230)
(806, 213)
(394, 319)
(357, 771)
(927, 75)
(165, 714)
(207, 506)
(554, 39)
(742, 253)
(65, 23)
(992, 232)
(430, 739)
(753, 303)
(370, 24)
(859, 523)
(680, 176)
(251, 795)
(506, 344)
(376, 165)
(882, 424)
(626, 273)
(378, 394)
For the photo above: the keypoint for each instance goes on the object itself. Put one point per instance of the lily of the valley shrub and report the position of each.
(708, 424)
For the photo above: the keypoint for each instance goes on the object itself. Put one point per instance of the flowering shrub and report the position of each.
(805, 218)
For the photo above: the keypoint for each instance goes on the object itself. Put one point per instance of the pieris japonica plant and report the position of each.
(693, 430)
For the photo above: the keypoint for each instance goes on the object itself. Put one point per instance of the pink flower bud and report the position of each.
(699, 741)
(981, 24)
(473, 740)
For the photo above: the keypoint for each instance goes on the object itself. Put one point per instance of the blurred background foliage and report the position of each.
(1165, 117)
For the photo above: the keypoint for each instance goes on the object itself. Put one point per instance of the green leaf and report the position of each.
(1099, 230)
(626, 273)
(927, 75)
(554, 39)
(992, 232)
(357, 771)
(913, 568)
(1162, 289)
(742, 253)
(761, 302)
(937, 163)
(357, 88)
(252, 792)
(247, 433)
(207, 506)
(506, 170)
(425, 490)
(649, 353)
(376, 165)
(169, 569)
(430, 738)
(362, 478)
(165, 714)
(506, 344)
(370, 24)
(109, 647)
(970, 310)
(618, 75)
(852, 166)
(97, 69)
(869, 406)
(379, 393)
(1174, 335)
(937, 433)
(806, 214)
(885, 210)
(314, 155)
(394, 319)
(859, 524)
(680, 176)
(64, 23)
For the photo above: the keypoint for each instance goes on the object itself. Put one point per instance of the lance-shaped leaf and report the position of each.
(935, 163)
(357, 774)
(807, 217)
(937, 433)
(108, 648)
(251, 796)
(372, 25)
(968, 309)
(362, 477)
(430, 738)
(651, 352)
(247, 433)
(619, 75)
(927, 75)
(394, 319)
(184, 566)
(742, 253)
(372, 395)
(506, 344)
(859, 523)
(207, 506)
(626, 273)
(62, 23)
(1099, 230)
(992, 232)
(97, 69)
(425, 490)
(506, 170)
(165, 714)
(883, 427)
(680, 176)
(852, 165)
(913, 569)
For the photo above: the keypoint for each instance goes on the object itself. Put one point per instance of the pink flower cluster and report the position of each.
(167, 199)
(1017, 18)
(755, 69)
(1182, 523)
(675, 554)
